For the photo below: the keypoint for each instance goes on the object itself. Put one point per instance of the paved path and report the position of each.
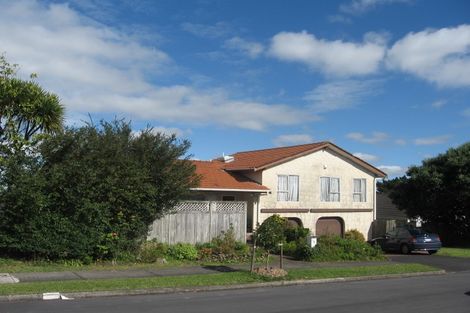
(185, 270)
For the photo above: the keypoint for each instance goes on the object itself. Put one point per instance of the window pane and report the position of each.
(363, 189)
(359, 190)
(357, 185)
(334, 189)
(282, 193)
(293, 188)
(324, 183)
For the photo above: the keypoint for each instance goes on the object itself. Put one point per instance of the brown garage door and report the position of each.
(329, 226)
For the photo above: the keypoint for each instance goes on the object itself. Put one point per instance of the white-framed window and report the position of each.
(329, 189)
(287, 188)
(359, 190)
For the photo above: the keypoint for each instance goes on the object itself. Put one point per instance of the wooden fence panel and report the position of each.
(200, 221)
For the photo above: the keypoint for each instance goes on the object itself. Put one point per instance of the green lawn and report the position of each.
(242, 277)
(18, 266)
(455, 252)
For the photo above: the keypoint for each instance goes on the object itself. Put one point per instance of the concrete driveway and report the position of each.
(450, 264)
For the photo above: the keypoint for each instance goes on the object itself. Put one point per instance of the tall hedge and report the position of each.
(90, 192)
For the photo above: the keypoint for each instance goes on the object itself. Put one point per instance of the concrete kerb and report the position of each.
(117, 293)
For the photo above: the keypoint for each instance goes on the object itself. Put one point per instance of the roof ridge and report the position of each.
(277, 148)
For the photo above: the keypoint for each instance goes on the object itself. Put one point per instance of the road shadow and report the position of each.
(220, 268)
(468, 293)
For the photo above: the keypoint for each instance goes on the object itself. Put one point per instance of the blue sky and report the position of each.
(387, 80)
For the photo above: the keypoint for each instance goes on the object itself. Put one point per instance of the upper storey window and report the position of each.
(287, 188)
(359, 191)
(329, 189)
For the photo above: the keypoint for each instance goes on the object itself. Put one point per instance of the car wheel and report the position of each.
(405, 249)
(432, 252)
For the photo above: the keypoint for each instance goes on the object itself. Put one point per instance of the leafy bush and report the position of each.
(90, 192)
(183, 251)
(271, 232)
(296, 233)
(304, 252)
(224, 248)
(290, 248)
(225, 243)
(334, 248)
(151, 251)
(355, 235)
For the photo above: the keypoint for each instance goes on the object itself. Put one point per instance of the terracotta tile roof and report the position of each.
(213, 176)
(259, 159)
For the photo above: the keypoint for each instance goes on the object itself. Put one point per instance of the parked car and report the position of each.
(408, 239)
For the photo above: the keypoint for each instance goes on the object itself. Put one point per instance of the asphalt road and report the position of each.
(440, 294)
(449, 264)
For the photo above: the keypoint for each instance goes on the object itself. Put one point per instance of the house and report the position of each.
(319, 186)
(388, 216)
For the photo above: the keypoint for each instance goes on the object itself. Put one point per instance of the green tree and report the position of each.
(438, 191)
(26, 109)
(91, 191)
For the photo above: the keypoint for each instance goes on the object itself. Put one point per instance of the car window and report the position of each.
(417, 231)
(403, 233)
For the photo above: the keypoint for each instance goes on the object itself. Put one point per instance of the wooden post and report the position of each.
(253, 255)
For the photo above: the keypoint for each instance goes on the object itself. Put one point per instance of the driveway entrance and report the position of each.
(447, 263)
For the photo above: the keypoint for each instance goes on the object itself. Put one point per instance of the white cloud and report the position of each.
(379, 38)
(96, 69)
(220, 29)
(250, 48)
(393, 170)
(440, 56)
(170, 131)
(335, 57)
(292, 139)
(400, 142)
(361, 6)
(341, 94)
(366, 157)
(166, 131)
(438, 103)
(376, 137)
(432, 140)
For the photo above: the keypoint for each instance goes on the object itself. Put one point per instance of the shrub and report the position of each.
(296, 233)
(91, 191)
(355, 235)
(290, 248)
(303, 252)
(224, 248)
(151, 251)
(334, 248)
(183, 251)
(225, 243)
(271, 232)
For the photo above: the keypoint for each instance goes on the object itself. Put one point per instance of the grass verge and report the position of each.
(19, 266)
(219, 279)
(455, 252)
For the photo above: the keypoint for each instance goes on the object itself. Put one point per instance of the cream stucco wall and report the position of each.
(310, 168)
